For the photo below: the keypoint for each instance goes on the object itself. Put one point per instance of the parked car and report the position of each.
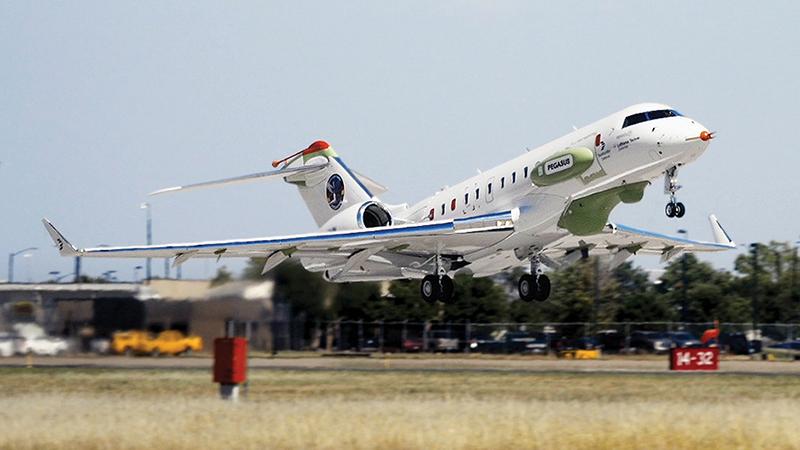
(683, 339)
(171, 342)
(612, 341)
(504, 341)
(789, 349)
(45, 345)
(650, 342)
(412, 345)
(441, 341)
(11, 344)
(128, 342)
(738, 344)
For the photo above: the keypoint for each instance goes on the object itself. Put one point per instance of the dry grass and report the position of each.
(43, 408)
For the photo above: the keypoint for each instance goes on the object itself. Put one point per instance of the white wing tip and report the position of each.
(165, 190)
(63, 245)
(720, 235)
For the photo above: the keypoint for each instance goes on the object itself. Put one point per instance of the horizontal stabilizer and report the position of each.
(309, 168)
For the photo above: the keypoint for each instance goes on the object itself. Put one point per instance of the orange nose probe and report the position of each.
(706, 136)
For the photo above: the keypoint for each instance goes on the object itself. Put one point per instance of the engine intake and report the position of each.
(372, 215)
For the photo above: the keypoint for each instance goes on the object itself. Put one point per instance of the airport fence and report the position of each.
(535, 338)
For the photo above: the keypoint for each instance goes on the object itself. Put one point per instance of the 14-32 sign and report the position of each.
(694, 359)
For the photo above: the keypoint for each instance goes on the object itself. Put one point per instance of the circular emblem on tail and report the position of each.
(334, 191)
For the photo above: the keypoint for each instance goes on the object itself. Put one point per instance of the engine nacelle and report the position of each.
(370, 214)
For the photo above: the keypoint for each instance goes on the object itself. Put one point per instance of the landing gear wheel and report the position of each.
(670, 209)
(542, 288)
(446, 288)
(429, 288)
(526, 287)
(534, 288)
(680, 210)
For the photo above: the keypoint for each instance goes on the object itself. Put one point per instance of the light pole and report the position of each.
(754, 287)
(11, 257)
(684, 284)
(793, 293)
(146, 206)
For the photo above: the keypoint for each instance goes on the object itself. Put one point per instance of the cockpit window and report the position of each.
(649, 115)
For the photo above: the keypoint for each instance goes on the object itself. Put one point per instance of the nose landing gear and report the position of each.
(674, 208)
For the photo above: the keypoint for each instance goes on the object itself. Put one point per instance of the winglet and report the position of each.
(720, 235)
(64, 247)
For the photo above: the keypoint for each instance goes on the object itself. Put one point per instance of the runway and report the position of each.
(433, 364)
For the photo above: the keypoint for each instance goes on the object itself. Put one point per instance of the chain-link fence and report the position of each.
(523, 338)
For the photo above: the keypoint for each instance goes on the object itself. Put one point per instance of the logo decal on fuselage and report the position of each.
(558, 165)
(334, 191)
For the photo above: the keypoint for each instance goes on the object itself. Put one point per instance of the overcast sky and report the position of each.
(103, 102)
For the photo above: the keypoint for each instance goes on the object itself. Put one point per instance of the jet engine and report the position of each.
(369, 214)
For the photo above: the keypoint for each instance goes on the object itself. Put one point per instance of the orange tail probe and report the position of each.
(314, 147)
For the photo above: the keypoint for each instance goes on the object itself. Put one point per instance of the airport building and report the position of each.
(84, 312)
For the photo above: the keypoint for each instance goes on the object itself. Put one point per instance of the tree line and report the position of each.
(763, 287)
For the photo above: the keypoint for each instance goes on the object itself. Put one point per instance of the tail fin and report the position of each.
(333, 189)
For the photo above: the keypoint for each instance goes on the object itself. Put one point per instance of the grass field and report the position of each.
(95, 408)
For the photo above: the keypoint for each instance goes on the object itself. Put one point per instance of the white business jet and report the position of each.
(548, 207)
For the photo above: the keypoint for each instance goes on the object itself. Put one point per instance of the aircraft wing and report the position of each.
(622, 241)
(451, 237)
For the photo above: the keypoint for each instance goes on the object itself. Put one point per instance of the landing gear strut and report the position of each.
(674, 208)
(535, 286)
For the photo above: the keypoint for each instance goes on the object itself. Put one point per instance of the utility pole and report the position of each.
(148, 268)
(793, 292)
(77, 269)
(754, 286)
(684, 284)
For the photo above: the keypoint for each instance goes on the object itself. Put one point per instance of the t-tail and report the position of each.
(331, 190)
(328, 188)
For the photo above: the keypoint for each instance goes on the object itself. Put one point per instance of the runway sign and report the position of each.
(694, 359)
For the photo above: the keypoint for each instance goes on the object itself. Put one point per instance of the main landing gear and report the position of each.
(674, 208)
(534, 286)
(436, 287)
(439, 286)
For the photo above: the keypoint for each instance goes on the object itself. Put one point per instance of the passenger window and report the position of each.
(466, 198)
(430, 214)
(442, 208)
(502, 182)
(453, 205)
(477, 194)
(513, 177)
(526, 173)
(489, 188)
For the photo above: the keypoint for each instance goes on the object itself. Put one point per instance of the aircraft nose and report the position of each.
(704, 135)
